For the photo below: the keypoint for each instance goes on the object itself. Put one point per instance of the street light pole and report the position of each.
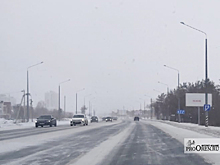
(76, 97)
(90, 106)
(206, 71)
(178, 76)
(64, 106)
(85, 99)
(151, 110)
(24, 104)
(28, 89)
(59, 110)
(76, 103)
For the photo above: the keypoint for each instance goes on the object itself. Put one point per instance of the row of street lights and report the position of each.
(206, 74)
(28, 93)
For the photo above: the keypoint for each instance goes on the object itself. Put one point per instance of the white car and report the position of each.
(79, 119)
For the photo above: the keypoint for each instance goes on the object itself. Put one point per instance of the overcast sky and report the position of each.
(115, 49)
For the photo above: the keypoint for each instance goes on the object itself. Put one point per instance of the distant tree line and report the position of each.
(166, 105)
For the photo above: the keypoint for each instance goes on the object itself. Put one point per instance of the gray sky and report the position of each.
(115, 49)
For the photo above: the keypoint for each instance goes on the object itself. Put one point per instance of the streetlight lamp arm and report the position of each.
(162, 83)
(172, 68)
(80, 90)
(194, 28)
(35, 65)
(64, 81)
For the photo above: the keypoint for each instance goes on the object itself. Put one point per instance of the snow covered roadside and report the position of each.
(98, 154)
(35, 140)
(10, 125)
(181, 133)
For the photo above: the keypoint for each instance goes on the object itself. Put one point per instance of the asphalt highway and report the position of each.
(144, 145)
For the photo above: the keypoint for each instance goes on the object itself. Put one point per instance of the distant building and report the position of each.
(5, 110)
(6, 98)
(51, 100)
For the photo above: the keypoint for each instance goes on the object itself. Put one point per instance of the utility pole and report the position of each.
(24, 105)
(31, 110)
(76, 103)
(64, 106)
(59, 102)
(206, 72)
(59, 109)
(151, 108)
(89, 108)
(27, 97)
(28, 89)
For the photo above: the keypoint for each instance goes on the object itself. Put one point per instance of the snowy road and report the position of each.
(71, 144)
(117, 143)
(16, 133)
(148, 145)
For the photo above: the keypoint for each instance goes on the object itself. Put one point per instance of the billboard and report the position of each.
(197, 99)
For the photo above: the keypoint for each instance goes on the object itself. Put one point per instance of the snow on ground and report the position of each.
(211, 130)
(35, 140)
(9, 124)
(97, 154)
(181, 133)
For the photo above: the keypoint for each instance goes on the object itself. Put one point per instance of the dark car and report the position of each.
(94, 119)
(45, 120)
(136, 118)
(108, 119)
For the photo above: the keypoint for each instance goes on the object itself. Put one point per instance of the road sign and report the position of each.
(181, 112)
(207, 107)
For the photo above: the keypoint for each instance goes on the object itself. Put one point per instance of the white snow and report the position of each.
(180, 133)
(97, 154)
(9, 124)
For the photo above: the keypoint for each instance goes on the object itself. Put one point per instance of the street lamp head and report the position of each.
(42, 62)
(182, 23)
(164, 65)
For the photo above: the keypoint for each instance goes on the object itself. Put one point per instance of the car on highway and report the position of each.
(108, 119)
(136, 118)
(46, 120)
(79, 119)
(94, 119)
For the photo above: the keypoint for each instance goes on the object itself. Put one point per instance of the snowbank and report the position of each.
(9, 124)
(181, 133)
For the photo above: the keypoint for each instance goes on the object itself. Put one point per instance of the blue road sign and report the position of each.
(207, 107)
(181, 112)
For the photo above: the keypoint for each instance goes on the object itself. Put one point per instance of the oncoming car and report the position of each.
(136, 118)
(45, 120)
(108, 119)
(79, 119)
(94, 119)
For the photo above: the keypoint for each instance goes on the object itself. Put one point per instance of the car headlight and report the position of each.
(35, 121)
(82, 119)
(48, 120)
(96, 119)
